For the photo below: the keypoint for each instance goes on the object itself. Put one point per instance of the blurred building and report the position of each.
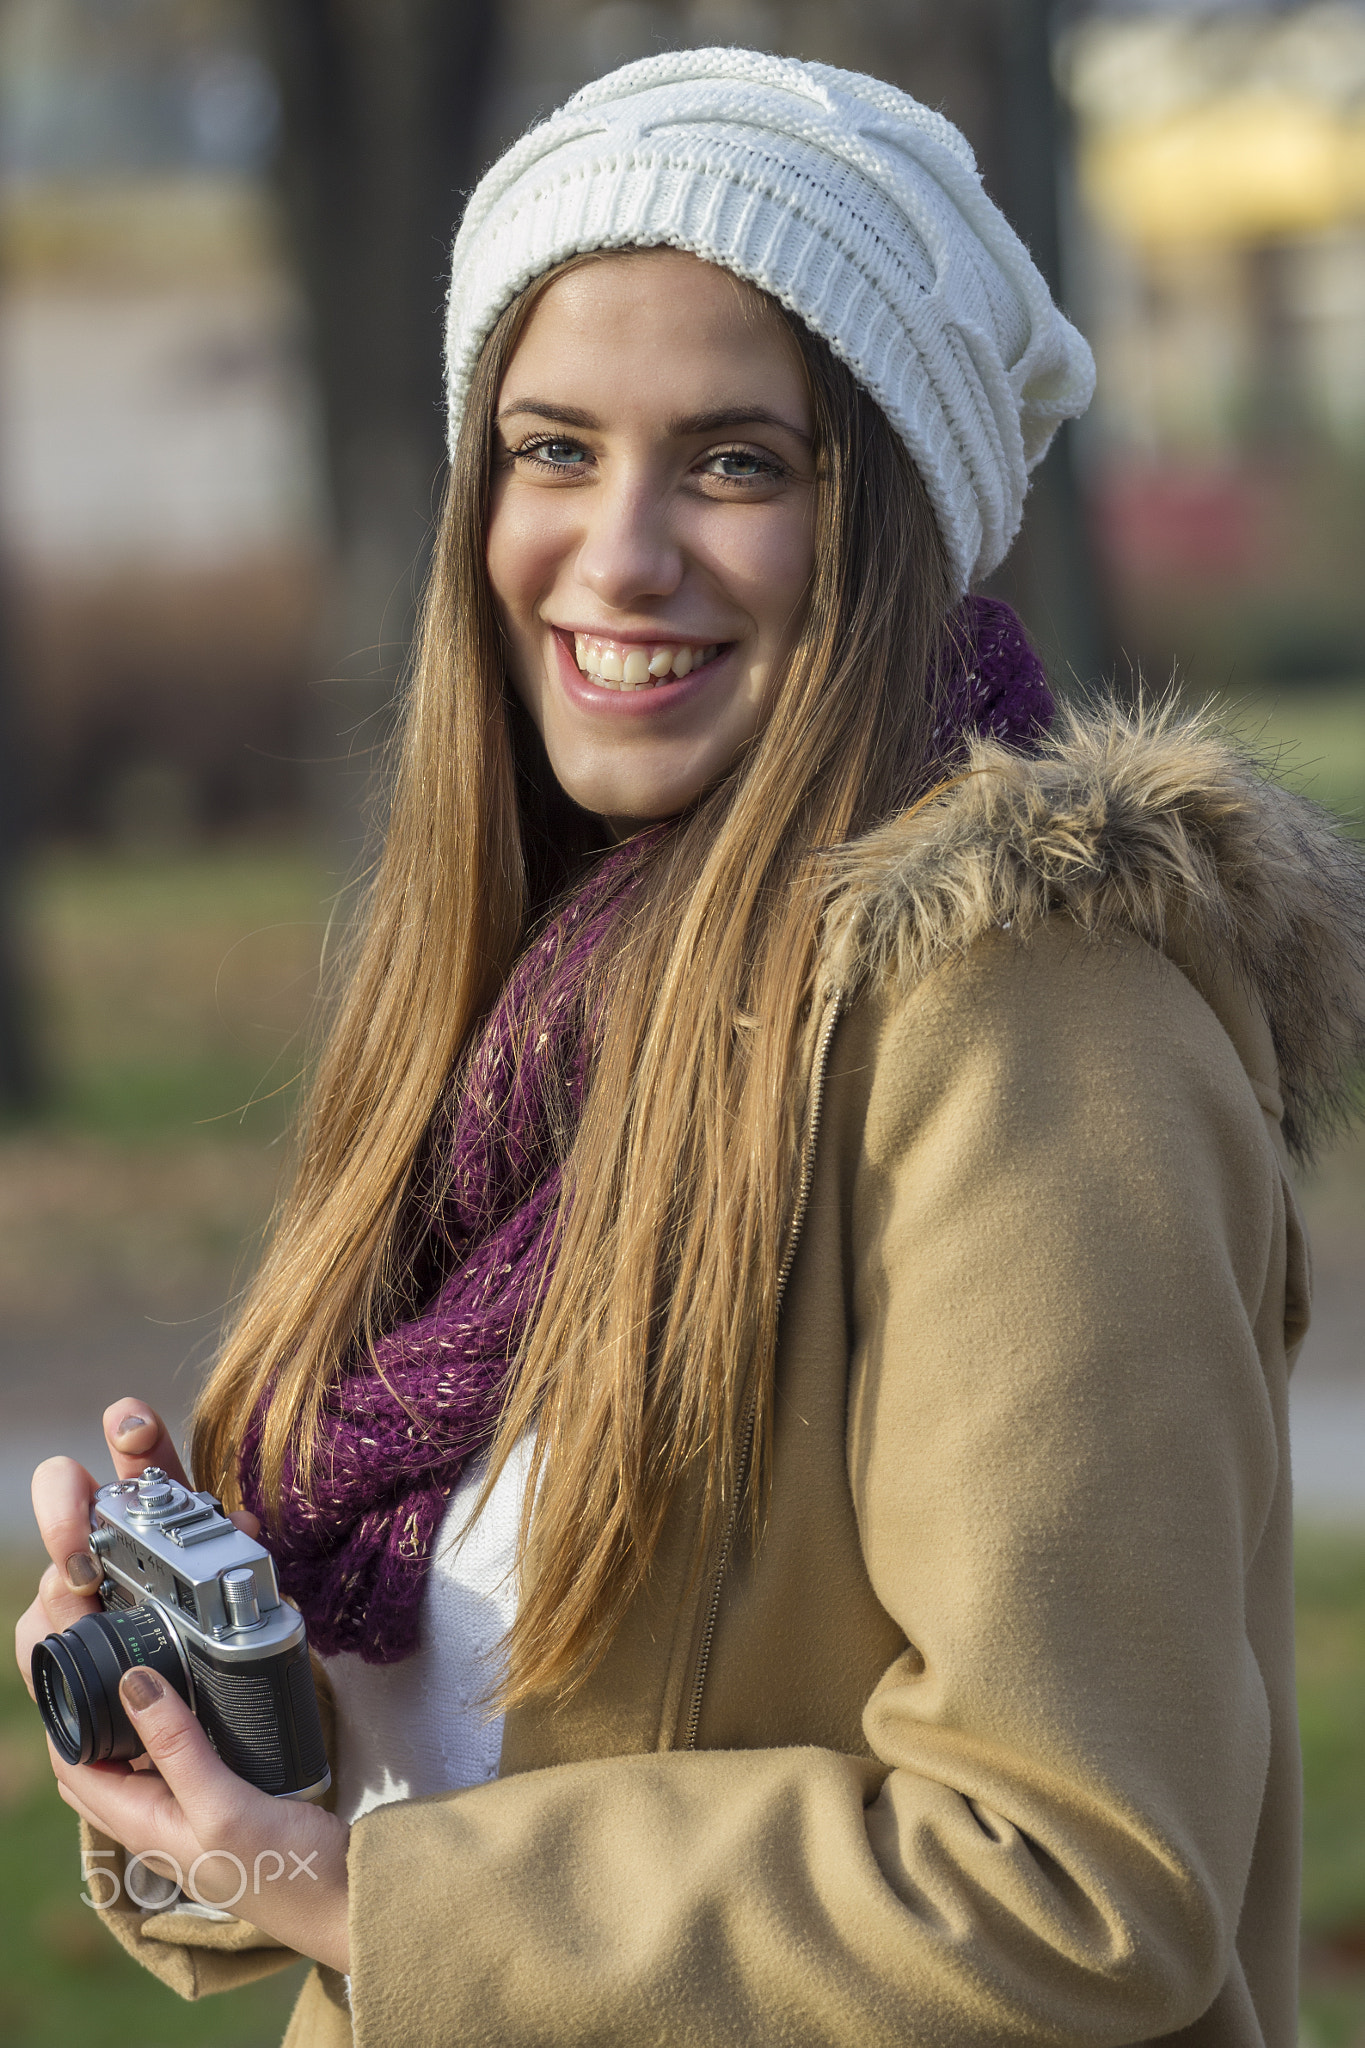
(1220, 245)
(160, 510)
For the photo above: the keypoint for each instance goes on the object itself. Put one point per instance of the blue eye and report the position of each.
(554, 452)
(742, 465)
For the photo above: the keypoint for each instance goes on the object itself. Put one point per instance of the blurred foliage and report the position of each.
(1332, 2011)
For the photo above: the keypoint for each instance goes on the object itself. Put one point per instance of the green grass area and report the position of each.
(1311, 736)
(1331, 1659)
(1331, 1652)
(171, 989)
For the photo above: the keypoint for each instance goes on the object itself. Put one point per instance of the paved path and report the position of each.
(56, 1386)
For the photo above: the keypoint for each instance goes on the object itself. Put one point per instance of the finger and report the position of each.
(97, 1775)
(249, 1524)
(206, 1790)
(79, 1806)
(33, 1624)
(29, 1629)
(62, 1493)
(137, 1437)
(59, 1604)
(137, 1810)
(222, 1814)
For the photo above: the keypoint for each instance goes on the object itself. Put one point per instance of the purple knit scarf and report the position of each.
(353, 1550)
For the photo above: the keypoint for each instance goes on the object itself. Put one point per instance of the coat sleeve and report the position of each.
(1068, 1248)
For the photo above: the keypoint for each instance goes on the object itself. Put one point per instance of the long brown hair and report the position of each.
(657, 1332)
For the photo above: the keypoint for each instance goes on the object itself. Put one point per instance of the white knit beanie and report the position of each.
(856, 207)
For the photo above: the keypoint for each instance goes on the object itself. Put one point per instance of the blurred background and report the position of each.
(223, 227)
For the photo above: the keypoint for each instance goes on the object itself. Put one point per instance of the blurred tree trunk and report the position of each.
(1051, 575)
(988, 65)
(381, 104)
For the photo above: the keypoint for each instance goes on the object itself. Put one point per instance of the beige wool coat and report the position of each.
(992, 1738)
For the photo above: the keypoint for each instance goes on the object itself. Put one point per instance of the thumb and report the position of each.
(172, 1738)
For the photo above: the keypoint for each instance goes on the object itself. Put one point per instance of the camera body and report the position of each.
(187, 1593)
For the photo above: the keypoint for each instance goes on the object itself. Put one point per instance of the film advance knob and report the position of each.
(239, 1597)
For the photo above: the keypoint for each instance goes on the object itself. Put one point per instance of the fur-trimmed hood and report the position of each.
(1139, 822)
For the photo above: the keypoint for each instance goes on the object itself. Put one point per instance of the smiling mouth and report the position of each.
(621, 665)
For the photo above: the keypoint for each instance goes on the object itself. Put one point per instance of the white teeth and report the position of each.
(619, 667)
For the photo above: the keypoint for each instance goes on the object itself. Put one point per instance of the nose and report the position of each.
(629, 551)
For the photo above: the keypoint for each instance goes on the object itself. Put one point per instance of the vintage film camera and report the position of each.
(191, 1597)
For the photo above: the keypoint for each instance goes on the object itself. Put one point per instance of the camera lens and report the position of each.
(76, 1675)
(68, 1713)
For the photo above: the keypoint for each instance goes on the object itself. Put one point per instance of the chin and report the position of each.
(640, 804)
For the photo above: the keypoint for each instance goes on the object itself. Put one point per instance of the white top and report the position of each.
(420, 1726)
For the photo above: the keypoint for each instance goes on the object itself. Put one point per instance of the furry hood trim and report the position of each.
(1131, 822)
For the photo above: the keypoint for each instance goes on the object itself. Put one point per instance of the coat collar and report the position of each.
(1149, 821)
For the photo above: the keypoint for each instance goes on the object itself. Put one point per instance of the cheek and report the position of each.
(768, 563)
(524, 549)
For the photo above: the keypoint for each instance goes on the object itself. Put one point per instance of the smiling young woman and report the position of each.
(651, 539)
(769, 1387)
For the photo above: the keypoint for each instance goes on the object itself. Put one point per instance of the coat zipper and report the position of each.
(821, 1061)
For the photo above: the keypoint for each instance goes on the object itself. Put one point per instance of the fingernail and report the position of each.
(132, 1422)
(140, 1688)
(80, 1570)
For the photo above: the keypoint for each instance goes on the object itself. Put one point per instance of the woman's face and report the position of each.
(651, 538)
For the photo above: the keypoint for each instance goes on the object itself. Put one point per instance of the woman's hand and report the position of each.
(277, 1863)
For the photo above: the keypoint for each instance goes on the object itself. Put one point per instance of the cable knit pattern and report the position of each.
(354, 1550)
(854, 206)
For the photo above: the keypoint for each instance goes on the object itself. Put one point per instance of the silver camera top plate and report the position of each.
(158, 1540)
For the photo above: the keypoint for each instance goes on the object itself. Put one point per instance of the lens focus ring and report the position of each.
(76, 1678)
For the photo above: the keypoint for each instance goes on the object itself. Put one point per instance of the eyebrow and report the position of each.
(717, 421)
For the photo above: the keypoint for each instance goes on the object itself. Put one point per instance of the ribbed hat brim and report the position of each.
(852, 205)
